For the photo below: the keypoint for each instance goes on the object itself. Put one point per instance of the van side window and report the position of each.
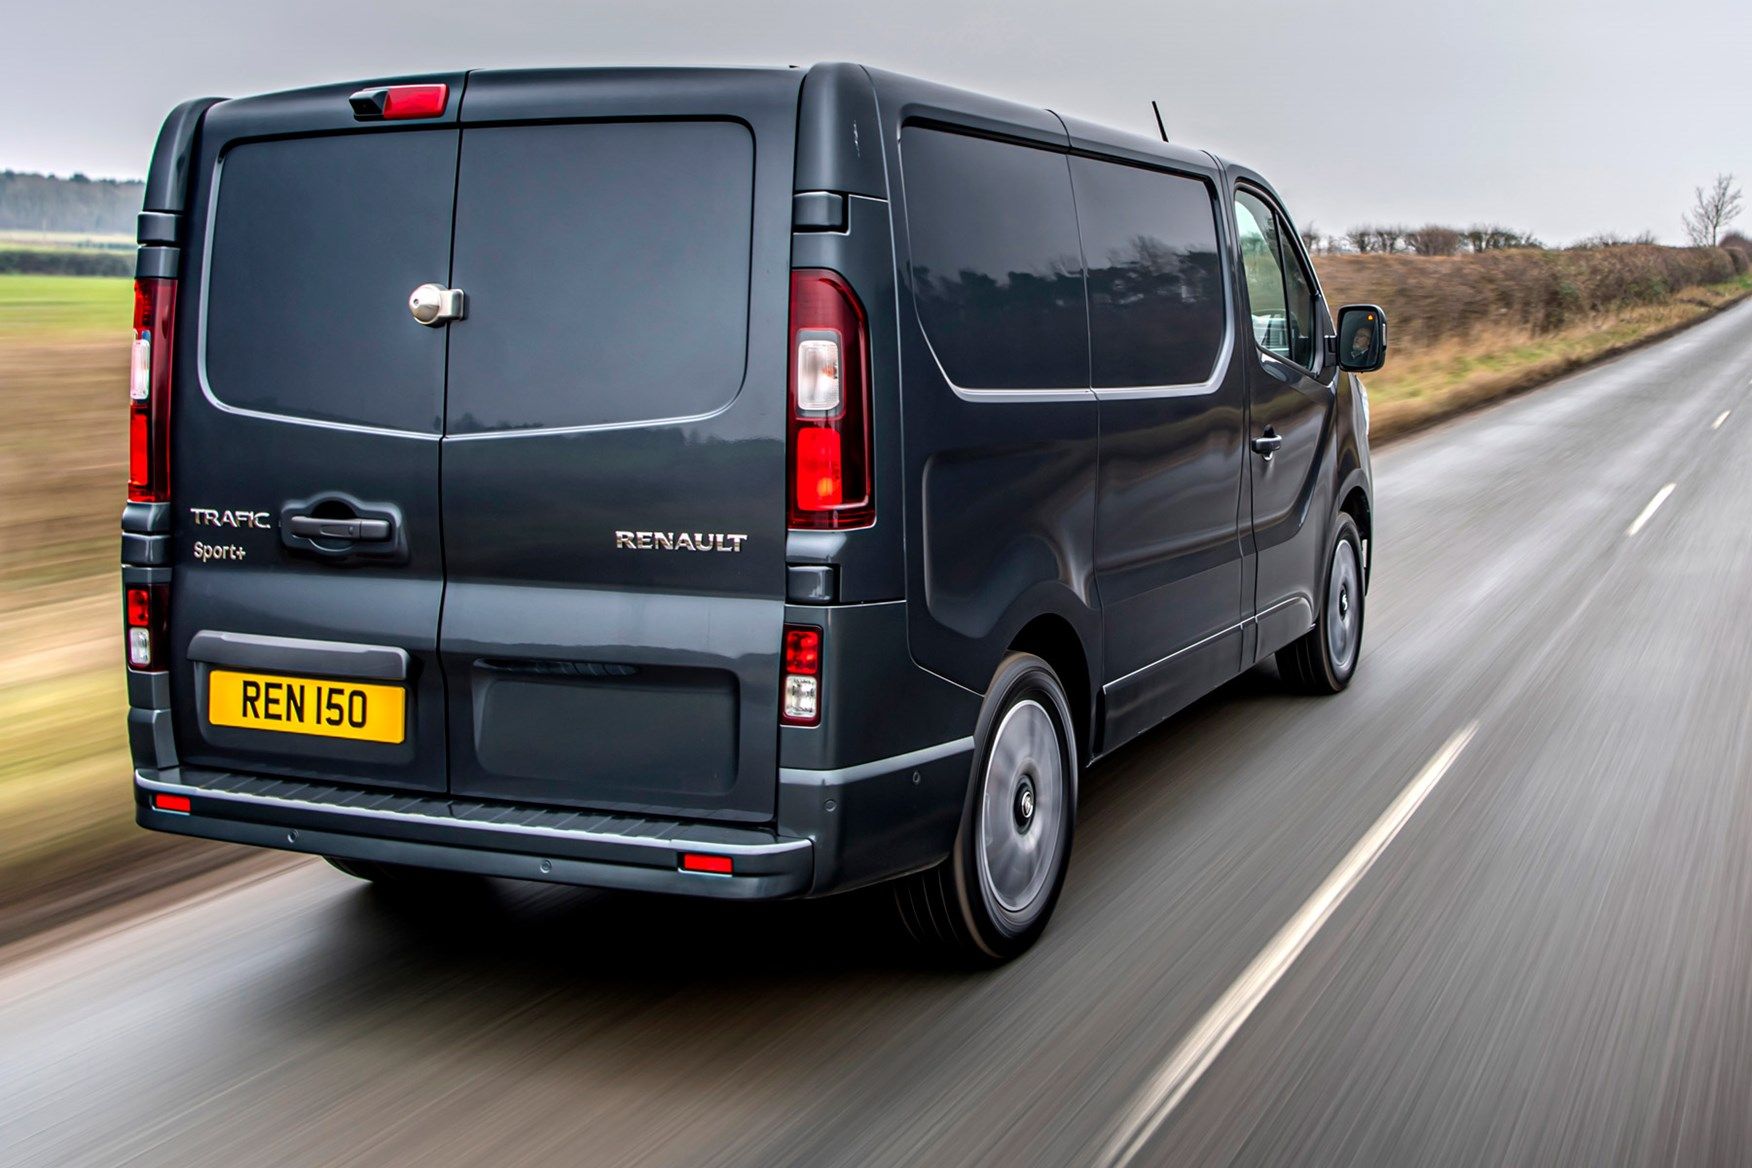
(996, 267)
(1280, 293)
(1156, 309)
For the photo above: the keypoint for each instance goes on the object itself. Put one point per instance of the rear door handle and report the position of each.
(1267, 444)
(355, 530)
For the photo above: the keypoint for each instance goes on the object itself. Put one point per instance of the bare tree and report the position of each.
(1390, 238)
(1311, 238)
(1714, 209)
(1361, 238)
(1495, 237)
(1433, 239)
(1612, 239)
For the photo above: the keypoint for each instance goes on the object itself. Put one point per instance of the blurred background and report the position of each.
(1527, 188)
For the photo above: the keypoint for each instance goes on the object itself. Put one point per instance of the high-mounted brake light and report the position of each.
(145, 625)
(830, 454)
(802, 681)
(392, 103)
(149, 390)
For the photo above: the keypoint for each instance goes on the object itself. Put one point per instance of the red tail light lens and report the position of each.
(179, 804)
(830, 404)
(145, 625)
(802, 650)
(711, 865)
(149, 391)
(821, 472)
(801, 696)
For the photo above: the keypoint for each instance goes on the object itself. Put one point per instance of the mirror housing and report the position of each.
(1362, 338)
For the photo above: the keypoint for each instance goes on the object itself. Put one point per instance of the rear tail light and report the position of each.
(710, 865)
(149, 391)
(177, 804)
(802, 684)
(830, 453)
(145, 628)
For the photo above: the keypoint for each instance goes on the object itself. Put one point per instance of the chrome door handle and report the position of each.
(434, 304)
(1267, 444)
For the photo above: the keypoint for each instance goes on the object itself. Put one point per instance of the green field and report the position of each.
(47, 307)
(66, 241)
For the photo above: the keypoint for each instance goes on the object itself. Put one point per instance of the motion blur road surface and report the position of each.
(1551, 963)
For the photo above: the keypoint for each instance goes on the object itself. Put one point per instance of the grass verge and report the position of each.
(1449, 377)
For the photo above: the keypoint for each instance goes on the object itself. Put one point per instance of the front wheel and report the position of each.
(1323, 660)
(990, 900)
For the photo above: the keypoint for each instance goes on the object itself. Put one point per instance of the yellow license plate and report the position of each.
(307, 705)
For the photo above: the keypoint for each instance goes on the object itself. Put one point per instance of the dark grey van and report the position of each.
(731, 483)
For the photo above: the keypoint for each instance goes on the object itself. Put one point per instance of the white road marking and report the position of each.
(1151, 1107)
(1720, 418)
(1648, 512)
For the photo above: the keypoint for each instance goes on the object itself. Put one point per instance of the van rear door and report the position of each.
(307, 411)
(614, 452)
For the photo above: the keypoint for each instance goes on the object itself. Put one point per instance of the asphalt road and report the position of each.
(1549, 961)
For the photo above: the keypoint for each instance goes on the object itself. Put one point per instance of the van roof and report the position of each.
(906, 90)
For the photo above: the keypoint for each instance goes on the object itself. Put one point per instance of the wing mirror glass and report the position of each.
(1362, 338)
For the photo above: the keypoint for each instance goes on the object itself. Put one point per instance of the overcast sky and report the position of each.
(1561, 117)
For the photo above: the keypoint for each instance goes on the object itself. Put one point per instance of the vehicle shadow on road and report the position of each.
(666, 991)
(519, 939)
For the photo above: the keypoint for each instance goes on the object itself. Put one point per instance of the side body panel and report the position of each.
(1000, 522)
(1168, 553)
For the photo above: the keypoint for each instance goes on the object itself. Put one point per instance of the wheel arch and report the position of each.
(1354, 501)
(1054, 640)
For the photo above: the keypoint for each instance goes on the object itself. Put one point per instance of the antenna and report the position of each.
(1160, 128)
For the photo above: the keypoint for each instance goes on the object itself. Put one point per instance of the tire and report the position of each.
(1324, 659)
(992, 897)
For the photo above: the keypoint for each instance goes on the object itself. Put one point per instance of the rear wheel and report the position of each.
(990, 900)
(1324, 660)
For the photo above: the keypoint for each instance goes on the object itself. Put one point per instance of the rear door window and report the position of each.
(1156, 307)
(997, 270)
(606, 267)
(316, 244)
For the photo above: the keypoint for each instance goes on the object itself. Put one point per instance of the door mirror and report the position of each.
(1362, 338)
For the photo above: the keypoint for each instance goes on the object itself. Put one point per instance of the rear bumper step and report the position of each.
(493, 839)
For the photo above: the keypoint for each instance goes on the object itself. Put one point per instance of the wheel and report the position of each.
(1324, 659)
(990, 900)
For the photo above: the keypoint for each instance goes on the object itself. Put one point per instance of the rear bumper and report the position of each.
(837, 828)
(525, 843)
